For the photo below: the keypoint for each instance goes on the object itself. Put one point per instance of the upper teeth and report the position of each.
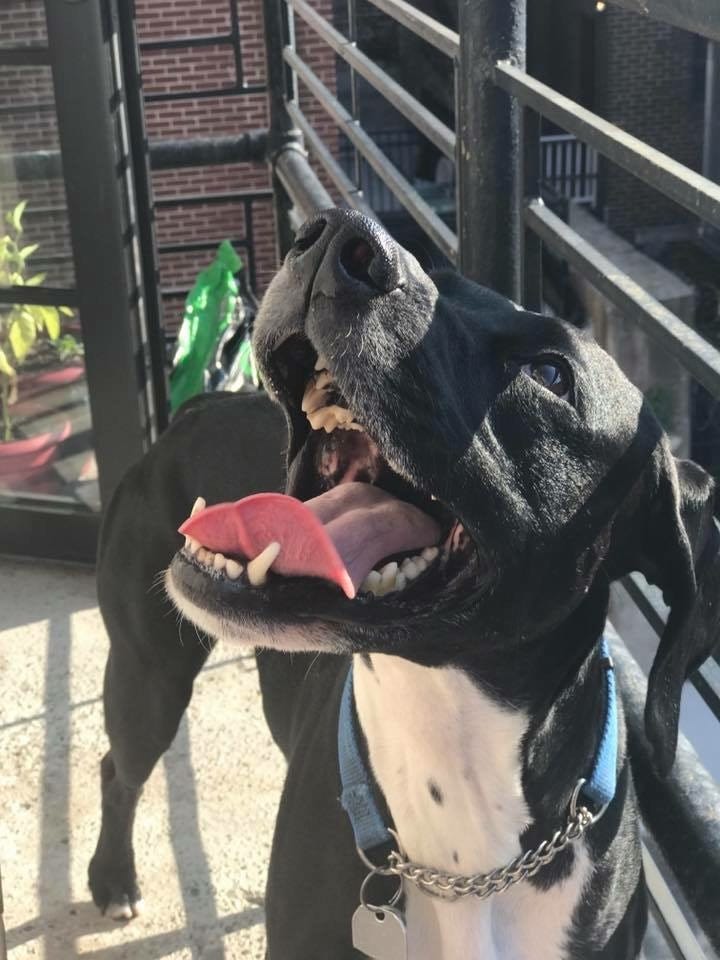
(315, 404)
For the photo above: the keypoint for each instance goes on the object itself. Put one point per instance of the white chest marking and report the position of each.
(448, 760)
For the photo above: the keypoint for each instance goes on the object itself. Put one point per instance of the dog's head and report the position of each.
(474, 475)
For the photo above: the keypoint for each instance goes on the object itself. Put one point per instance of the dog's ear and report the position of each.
(679, 552)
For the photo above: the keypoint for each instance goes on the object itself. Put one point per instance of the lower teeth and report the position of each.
(392, 578)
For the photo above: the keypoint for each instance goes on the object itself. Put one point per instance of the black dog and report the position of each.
(476, 476)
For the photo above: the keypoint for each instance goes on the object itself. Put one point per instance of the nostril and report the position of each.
(356, 257)
(309, 234)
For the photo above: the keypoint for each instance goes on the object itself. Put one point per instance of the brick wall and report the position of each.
(181, 69)
(650, 84)
(207, 68)
(27, 123)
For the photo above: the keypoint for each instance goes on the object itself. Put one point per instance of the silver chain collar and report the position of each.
(449, 886)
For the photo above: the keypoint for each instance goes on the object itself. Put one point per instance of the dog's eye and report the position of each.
(552, 375)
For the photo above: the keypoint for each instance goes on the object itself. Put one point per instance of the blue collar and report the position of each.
(358, 796)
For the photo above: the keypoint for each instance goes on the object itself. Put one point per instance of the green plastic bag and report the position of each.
(208, 312)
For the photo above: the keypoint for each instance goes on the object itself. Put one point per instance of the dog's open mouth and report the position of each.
(349, 519)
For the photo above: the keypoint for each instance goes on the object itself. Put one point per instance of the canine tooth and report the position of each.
(330, 425)
(323, 380)
(257, 569)
(192, 545)
(199, 505)
(233, 569)
(429, 554)
(321, 363)
(219, 561)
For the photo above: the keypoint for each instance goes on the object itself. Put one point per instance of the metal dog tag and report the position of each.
(379, 934)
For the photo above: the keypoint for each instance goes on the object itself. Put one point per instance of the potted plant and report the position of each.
(25, 331)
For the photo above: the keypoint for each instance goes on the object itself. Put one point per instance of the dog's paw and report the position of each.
(115, 890)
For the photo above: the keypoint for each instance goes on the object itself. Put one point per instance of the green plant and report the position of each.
(20, 324)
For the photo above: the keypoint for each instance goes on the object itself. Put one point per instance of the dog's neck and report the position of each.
(448, 760)
(464, 776)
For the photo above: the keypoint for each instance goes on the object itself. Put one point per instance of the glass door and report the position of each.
(78, 397)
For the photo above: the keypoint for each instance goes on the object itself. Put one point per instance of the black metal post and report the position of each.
(489, 144)
(81, 56)
(283, 134)
(138, 147)
(531, 260)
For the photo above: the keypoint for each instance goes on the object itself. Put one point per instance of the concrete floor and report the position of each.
(204, 824)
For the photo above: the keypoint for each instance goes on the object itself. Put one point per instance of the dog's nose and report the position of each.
(342, 251)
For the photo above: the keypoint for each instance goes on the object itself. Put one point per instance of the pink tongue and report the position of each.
(338, 536)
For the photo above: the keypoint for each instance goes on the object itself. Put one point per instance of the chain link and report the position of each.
(483, 885)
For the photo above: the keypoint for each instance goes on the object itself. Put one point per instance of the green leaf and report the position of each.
(29, 250)
(5, 369)
(35, 281)
(66, 311)
(17, 214)
(22, 334)
(48, 319)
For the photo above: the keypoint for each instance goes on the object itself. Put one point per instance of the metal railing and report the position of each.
(569, 168)
(499, 185)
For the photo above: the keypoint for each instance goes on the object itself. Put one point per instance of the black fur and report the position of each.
(559, 496)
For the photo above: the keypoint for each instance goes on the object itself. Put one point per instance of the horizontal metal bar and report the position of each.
(42, 296)
(175, 43)
(301, 182)
(680, 809)
(419, 210)
(199, 199)
(706, 679)
(439, 36)
(699, 357)
(197, 246)
(411, 108)
(681, 184)
(351, 194)
(697, 16)
(30, 56)
(249, 147)
(233, 91)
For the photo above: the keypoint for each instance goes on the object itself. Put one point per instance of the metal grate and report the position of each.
(499, 185)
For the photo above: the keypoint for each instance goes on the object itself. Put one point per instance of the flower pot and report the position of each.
(19, 458)
(32, 382)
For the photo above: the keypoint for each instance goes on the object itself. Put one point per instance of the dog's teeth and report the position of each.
(371, 582)
(233, 569)
(400, 581)
(320, 417)
(388, 574)
(192, 545)
(429, 554)
(321, 363)
(421, 565)
(257, 569)
(410, 570)
(323, 380)
(313, 400)
(352, 426)
(199, 505)
(219, 561)
(341, 414)
(203, 555)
